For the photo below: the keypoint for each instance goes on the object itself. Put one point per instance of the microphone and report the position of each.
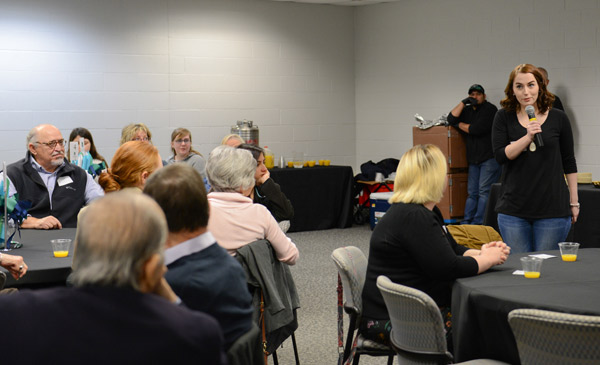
(531, 114)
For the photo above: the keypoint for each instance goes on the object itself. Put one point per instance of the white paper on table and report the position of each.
(543, 256)
(518, 272)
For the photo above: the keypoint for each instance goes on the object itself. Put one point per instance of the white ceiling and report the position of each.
(341, 2)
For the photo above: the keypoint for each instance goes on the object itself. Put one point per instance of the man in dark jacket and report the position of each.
(474, 117)
(202, 273)
(120, 310)
(56, 189)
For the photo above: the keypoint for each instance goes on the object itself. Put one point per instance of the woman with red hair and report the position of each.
(131, 166)
(535, 207)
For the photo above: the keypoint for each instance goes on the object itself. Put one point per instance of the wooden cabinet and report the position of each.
(449, 140)
(452, 204)
(452, 144)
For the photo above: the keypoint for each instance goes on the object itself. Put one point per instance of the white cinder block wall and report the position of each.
(292, 68)
(200, 64)
(420, 56)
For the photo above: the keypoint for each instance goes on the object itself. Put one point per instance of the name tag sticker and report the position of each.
(64, 180)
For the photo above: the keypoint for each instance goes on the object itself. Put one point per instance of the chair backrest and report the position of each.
(351, 264)
(417, 325)
(545, 337)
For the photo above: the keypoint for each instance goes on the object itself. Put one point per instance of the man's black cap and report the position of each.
(476, 87)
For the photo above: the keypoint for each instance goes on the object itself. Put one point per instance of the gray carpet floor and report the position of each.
(315, 276)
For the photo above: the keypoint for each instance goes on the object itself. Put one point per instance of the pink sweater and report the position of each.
(236, 221)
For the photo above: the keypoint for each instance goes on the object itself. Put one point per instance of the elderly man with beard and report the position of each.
(56, 189)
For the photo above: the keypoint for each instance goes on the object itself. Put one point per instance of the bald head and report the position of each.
(41, 130)
(116, 236)
(46, 145)
(232, 140)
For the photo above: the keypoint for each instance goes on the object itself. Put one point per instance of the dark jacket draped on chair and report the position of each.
(265, 272)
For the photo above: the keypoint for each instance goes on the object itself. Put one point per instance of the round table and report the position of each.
(43, 267)
(480, 304)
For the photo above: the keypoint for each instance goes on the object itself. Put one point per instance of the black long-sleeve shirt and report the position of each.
(270, 195)
(479, 138)
(533, 184)
(410, 247)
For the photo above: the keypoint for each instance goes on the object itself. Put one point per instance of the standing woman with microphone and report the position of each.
(536, 206)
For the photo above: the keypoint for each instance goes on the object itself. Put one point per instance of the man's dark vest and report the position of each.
(67, 200)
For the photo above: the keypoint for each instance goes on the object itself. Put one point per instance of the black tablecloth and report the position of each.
(321, 196)
(480, 304)
(43, 267)
(586, 231)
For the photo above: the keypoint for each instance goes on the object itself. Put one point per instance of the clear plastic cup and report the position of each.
(60, 247)
(531, 267)
(568, 251)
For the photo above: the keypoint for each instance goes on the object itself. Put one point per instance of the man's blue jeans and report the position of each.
(529, 235)
(481, 178)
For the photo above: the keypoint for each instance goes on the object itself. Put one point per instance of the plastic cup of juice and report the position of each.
(60, 247)
(568, 251)
(531, 267)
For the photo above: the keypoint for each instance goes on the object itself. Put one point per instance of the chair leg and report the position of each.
(275, 361)
(391, 360)
(349, 338)
(356, 358)
(295, 349)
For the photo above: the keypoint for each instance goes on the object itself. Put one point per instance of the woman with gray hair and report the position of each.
(234, 220)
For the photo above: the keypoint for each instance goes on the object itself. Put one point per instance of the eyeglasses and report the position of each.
(185, 140)
(52, 144)
(142, 139)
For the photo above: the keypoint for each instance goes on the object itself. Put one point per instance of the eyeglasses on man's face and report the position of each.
(52, 144)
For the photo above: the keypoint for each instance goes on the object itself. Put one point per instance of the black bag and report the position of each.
(369, 169)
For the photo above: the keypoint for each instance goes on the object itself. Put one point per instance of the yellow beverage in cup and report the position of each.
(532, 274)
(61, 253)
(60, 247)
(568, 251)
(290, 164)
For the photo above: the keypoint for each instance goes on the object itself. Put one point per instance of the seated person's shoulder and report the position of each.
(412, 212)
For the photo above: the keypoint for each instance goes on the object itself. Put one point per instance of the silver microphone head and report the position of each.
(530, 111)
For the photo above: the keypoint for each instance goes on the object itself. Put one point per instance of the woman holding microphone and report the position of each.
(536, 206)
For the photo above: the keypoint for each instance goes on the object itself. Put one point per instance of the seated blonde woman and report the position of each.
(234, 220)
(131, 166)
(136, 132)
(411, 246)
